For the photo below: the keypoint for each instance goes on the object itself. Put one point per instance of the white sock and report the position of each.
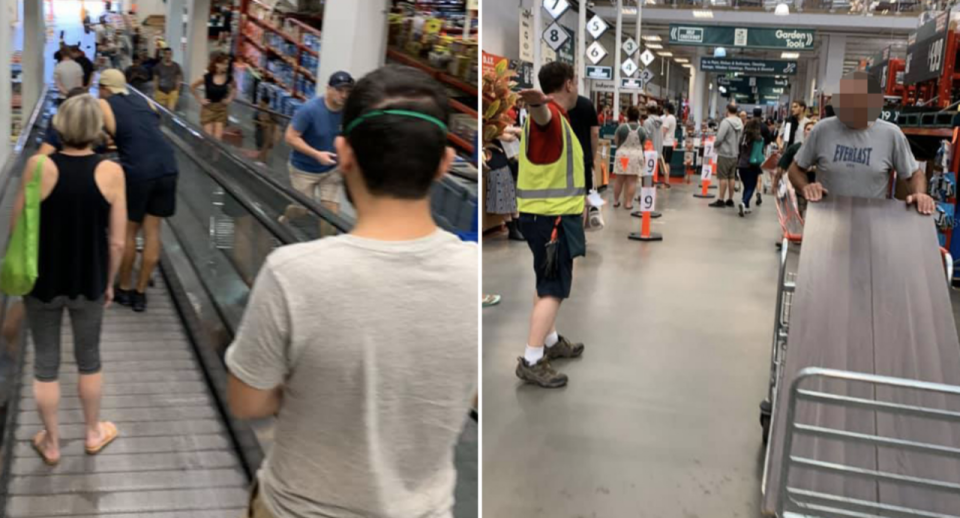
(533, 355)
(552, 339)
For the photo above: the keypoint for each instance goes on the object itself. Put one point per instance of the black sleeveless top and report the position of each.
(74, 223)
(215, 92)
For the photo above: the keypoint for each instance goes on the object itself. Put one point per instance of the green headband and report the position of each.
(403, 113)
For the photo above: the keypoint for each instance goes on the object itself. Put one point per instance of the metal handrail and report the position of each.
(311, 205)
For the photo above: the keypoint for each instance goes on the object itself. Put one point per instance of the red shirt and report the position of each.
(546, 142)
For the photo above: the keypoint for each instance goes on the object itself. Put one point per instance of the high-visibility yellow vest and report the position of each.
(552, 189)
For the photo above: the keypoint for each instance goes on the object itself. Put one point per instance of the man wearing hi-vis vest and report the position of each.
(550, 195)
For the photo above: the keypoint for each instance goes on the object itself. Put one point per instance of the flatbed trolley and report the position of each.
(809, 388)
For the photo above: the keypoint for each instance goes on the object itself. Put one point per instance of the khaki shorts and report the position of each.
(168, 100)
(256, 507)
(727, 168)
(322, 186)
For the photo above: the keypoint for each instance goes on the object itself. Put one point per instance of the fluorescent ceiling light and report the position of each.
(720, 52)
(629, 10)
(681, 60)
(652, 37)
(782, 10)
(654, 46)
(666, 54)
(700, 13)
(790, 55)
(687, 66)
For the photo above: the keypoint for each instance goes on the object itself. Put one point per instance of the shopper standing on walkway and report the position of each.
(218, 93)
(793, 128)
(856, 153)
(669, 138)
(586, 126)
(550, 192)
(728, 152)
(630, 139)
(88, 68)
(67, 75)
(167, 76)
(151, 173)
(84, 213)
(751, 158)
(370, 395)
(653, 126)
(311, 134)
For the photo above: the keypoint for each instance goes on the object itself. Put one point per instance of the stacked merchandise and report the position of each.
(280, 99)
(16, 104)
(943, 189)
(281, 48)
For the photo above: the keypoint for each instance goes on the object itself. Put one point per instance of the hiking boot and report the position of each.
(719, 204)
(730, 202)
(759, 199)
(541, 374)
(563, 349)
(138, 301)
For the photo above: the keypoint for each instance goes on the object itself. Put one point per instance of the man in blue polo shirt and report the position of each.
(313, 161)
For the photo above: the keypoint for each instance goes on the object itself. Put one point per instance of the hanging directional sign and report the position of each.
(646, 58)
(556, 8)
(596, 52)
(747, 65)
(630, 46)
(750, 37)
(631, 84)
(599, 73)
(555, 36)
(596, 26)
(646, 76)
(629, 67)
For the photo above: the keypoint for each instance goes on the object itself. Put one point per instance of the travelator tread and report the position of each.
(174, 457)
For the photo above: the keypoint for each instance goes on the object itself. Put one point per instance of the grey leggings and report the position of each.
(45, 319)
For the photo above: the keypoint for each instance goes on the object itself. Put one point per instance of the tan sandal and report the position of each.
(112, 433)
(37, 440)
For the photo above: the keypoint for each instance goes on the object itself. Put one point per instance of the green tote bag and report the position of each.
(19, 271)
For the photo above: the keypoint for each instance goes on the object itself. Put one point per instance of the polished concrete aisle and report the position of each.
(660, 418)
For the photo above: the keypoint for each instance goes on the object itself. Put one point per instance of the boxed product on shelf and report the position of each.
(311, 41)
(309, 62)
(464, 126)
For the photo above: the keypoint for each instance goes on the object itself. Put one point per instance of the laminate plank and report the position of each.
(915, 337)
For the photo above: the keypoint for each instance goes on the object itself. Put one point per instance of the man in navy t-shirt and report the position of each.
(313, 162)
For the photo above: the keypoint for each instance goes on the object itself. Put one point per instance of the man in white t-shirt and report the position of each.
(669, 137)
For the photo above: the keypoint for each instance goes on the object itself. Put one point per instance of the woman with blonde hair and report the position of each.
(218, 93)
(84, 213)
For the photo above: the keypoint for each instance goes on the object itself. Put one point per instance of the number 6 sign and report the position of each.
(650, 162)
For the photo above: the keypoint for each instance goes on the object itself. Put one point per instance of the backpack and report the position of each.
(19, 271)
(756, 153)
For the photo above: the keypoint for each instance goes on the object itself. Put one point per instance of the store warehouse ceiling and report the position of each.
(875, 28)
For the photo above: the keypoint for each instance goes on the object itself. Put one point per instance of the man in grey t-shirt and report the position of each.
(167, 78)
(370, 394)
(855, 154)
(67, 75)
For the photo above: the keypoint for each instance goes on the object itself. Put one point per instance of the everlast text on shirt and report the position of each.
(852, 155)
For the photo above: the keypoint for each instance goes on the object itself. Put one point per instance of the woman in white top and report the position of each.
(628, 161)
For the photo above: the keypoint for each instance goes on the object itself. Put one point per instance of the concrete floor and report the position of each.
(660, 418)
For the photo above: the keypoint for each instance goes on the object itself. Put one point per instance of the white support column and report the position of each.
(832, 52)
(537, 43)
(6, 53)
(34, 43)
(699, 96)
(616, 62)
(354, 39)
(174, 32)
(582, 49)
(714, 100)
(197, 50)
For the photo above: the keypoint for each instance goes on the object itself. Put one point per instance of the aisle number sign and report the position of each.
(556, 8)
(596, 52)
(650, 163)
(708, 148)
(646, 58)
(629, 67)
(630, 46)
(596, 27)
(648, 199)
(555, 36)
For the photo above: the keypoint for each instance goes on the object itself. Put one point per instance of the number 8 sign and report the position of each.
(650, 162)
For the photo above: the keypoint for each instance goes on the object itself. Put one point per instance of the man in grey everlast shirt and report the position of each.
(365, 345)
(855, 153)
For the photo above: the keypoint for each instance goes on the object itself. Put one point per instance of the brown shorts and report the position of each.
(727, 168)
(255, 506)
(214, 113)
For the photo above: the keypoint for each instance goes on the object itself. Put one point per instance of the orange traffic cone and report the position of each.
(647, 202)
(705, 181)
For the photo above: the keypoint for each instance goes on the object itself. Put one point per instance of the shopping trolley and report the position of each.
(810, 388)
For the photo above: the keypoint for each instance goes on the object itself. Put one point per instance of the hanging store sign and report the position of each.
(596, 27)
(646, 58)
(555, 36)
(743, 37)
(526, 35)
(925, 50)
(755, 86)
(596, 52)
(631, 84)
(630, 46)
(599, 73)
(629, 67)
(524, 77)
(556, 8)
(749, 66)
(567, 53)
(646, 76)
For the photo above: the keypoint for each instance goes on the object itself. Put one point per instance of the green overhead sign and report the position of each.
(741, 37)
(768, 88)
(749, 66)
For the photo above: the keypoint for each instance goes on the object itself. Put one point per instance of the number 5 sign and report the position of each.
(650, 163)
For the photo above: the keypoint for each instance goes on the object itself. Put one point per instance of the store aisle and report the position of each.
(660, 418)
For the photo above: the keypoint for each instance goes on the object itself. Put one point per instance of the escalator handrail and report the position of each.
(311, 205)
(13, 159)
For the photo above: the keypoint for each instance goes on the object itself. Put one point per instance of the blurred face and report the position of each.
(857, 106)
(337, 97)
(222, 67)
(807, 130)
(796, 110)
(167, 56)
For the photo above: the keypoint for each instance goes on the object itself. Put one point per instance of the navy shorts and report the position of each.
(537, 230)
